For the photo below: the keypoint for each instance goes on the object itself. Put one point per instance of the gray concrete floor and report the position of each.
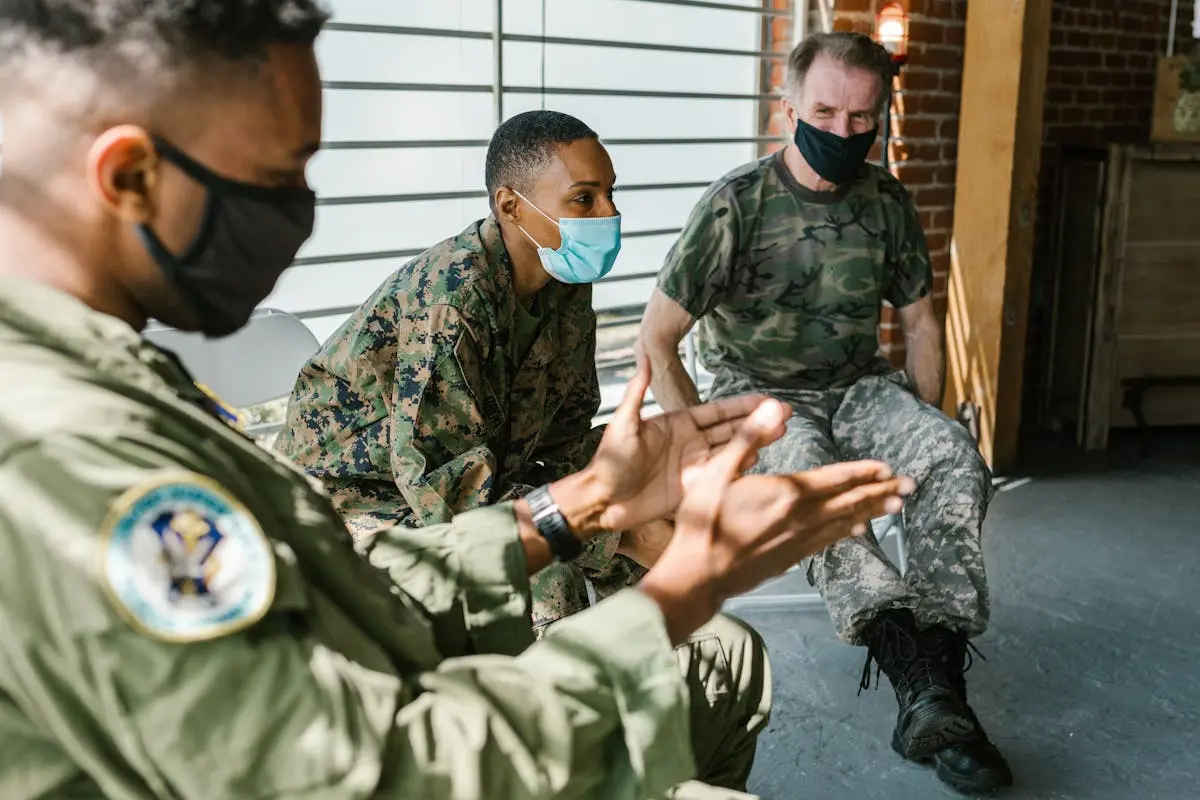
(1090, 684)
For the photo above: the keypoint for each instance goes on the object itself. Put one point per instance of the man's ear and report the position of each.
(122, 166)
(507, 204)
(790, 112)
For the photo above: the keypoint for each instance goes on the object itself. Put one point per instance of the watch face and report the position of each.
(552, 525)
(541, 503)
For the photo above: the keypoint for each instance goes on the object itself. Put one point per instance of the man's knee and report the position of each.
(803, 446)
(728, 675)
(884, 406)
(695, 790)
(727, 659)
(737, 636)
(950, 446)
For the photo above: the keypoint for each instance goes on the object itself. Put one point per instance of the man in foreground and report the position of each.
(184, 613)
(469, 377)
(786, 262)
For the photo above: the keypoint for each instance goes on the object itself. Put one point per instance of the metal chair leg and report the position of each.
(807, 600)
(689, 354)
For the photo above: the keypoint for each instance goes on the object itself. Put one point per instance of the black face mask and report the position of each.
(835, 158)
(248, 236)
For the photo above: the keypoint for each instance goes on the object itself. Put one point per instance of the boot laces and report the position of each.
(961, 651)
(959, 655)
(891, 642)
(969, 653)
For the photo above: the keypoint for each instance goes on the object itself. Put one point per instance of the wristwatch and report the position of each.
(552, 525)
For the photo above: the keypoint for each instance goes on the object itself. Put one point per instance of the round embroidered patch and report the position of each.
(184, 561)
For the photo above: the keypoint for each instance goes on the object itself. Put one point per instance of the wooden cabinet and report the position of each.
(1126, 327)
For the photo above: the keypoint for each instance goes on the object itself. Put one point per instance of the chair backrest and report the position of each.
(257, 364)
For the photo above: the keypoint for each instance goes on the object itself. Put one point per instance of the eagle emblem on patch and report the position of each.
(185, 561)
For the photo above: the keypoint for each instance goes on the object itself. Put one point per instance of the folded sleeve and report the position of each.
(910, 271)
(469, 577)
(699, 266)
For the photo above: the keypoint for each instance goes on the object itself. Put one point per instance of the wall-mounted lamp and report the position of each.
(891, 31)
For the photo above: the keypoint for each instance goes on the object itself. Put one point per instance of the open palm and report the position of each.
(645, 463)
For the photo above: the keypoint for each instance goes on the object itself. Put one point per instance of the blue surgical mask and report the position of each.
(589, 247)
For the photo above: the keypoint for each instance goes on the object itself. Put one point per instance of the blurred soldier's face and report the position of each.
(204, 214)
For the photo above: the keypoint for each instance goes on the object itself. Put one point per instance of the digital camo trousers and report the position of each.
(880, 417)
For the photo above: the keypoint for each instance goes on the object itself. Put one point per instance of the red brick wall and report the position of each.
(1100, 82)
(778, 38)
(1103, 54)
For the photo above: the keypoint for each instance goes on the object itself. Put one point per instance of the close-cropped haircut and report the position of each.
(141, 44)
(853, 50)
(522, 148)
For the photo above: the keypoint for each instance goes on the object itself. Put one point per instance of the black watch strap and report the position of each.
(552, 525)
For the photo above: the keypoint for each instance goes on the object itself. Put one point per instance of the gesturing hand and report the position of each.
(731, 534)
(785, 518)
(644, 464)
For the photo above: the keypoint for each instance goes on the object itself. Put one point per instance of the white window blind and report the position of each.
(673, 87)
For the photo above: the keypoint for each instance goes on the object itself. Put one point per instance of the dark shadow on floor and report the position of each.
(1092, 655)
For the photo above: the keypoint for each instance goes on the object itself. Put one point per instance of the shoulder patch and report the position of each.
(222, 410)
(184, 561)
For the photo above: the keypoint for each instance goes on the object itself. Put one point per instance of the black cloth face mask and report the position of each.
(835, 158)
(248, 236)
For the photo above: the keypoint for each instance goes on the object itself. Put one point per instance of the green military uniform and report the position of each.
(441, 393)
(185, 616)
(788, 284)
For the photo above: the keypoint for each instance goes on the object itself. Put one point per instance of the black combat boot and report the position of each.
(975, 765)
(931, 718)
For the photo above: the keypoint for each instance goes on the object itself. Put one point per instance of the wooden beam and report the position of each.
(999, 151)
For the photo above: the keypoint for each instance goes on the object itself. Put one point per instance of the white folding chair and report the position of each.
(256, 365)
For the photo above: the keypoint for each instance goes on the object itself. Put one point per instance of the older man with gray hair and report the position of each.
(785, 262)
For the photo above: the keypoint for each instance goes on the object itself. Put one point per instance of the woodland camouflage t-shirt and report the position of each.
(788, 283)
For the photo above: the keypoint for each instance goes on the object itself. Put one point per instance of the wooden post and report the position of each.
(999, 150)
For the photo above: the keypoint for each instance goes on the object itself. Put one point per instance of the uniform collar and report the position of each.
(549, 298)
(49, 317)
(494, 250)
(38, 310)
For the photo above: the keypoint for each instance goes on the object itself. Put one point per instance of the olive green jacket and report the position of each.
(185, 615)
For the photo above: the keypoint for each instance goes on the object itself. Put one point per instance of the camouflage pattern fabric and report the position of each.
(417, 408)
(881, 417)
(788, 283)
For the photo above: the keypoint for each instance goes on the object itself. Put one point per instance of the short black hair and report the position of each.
(139, 39)
(522, 147)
